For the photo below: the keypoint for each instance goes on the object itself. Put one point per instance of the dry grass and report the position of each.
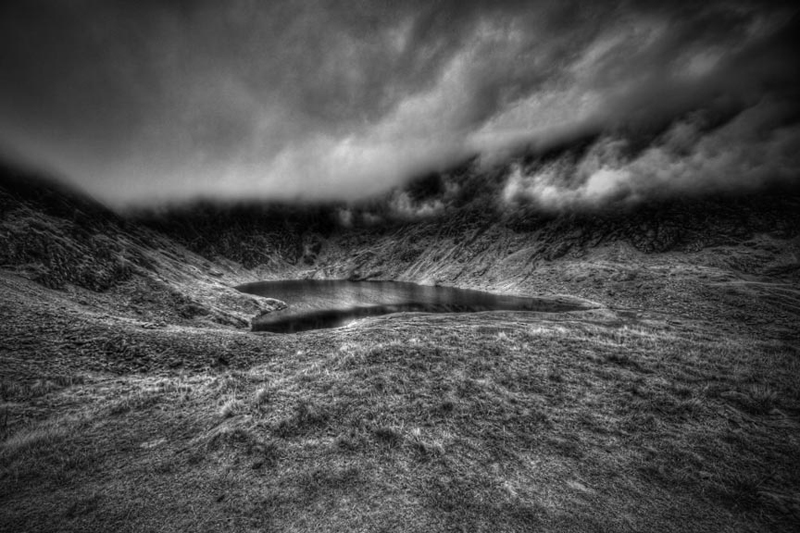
(485, 422)
(261, 396)
(231, 407)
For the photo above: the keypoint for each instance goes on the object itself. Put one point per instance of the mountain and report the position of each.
(64, 240)
(640, 255)
(133, 395)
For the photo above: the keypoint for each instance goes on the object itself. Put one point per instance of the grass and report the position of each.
(449, 423)
(11, 390)
(231, 407)
(261, 396)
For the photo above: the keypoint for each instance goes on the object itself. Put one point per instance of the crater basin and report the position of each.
(318, 304)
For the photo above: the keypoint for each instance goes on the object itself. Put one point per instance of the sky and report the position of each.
(150, 101)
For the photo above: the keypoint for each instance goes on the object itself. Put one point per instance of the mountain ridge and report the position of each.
(63, 240)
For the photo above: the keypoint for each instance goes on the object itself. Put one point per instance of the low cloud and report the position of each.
(339, 100)
(753, 150)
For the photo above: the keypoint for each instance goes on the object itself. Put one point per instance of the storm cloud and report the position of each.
(143, 101)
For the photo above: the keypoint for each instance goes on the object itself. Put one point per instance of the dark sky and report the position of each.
(143, 100)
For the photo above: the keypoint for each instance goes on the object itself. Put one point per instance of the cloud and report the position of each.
(754, 149)
(342, 100)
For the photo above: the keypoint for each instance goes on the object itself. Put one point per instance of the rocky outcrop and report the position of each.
(268, 306)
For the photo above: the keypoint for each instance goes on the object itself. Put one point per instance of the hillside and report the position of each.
(64, 241)
(735, 250)
(135, 398)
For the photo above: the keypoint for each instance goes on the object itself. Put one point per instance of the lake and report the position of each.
(317, 304)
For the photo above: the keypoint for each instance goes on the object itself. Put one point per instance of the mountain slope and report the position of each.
(63, 240)
(127, 402)
(737, 250)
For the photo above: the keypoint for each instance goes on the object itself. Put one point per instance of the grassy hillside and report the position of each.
(412, 423)
(67, 242)
(457, 229)
(130, 401)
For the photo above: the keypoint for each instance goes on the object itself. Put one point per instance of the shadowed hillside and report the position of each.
(63, 240)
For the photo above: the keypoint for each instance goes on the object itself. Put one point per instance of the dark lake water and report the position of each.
(317, 304)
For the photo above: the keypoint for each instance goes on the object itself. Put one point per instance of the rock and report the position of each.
(271, 305)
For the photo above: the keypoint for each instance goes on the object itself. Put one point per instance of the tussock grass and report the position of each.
(53, 449)
(261, 396)
(305, 417)
(438, 423)
(136, 401)
(427, 445)
(762, 399)
(231, 407)
(14, 390)
(31, 440)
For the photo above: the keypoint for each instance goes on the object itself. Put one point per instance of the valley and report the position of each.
(135, 396)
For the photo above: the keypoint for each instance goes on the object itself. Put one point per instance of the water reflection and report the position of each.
(317, 304)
